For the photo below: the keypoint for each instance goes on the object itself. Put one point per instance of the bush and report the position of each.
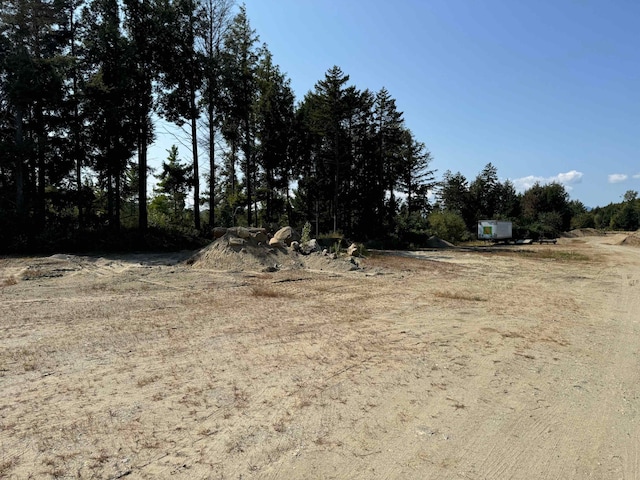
(306, 233)
(448, 226)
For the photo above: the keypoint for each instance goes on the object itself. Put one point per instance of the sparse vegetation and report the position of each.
(459, 296)
(306, 233)
(7, 282)
(159, 366)
(551, 254)
(268, 292)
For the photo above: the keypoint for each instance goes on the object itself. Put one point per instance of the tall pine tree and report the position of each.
(240, 63)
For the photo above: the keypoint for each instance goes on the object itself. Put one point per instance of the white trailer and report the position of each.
(495, 230)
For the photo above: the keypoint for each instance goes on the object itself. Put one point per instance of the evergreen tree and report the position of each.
(240, 63)
(326, 112)
(274, 123)
(453, 195)
(174, 182)
(214, 21)
(145, 23)
(110, 107)
(32, 83)
(485, 193)
(415, 179)
(74, 81)
(182, 78)
(365, 195)
(508, 206)
(390, 132)
(628, 216)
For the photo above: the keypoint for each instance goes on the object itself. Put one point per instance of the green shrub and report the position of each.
(448, 226)
(306, 233)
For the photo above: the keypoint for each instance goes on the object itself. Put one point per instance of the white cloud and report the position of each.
(637, 175)
(566, 179)
(570, 177)
(618, 177)
(525, 183)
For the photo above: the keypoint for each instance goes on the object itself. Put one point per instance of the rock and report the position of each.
(240, 232)
(309, 247)
(236, 242)
(219, 232)
(274, 242)
(260, 237)
(285, 236)
(325, 252)
(295, 246)
(243, 232)
(352, 251)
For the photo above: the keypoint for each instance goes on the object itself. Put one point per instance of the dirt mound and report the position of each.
(232, 253)
(583, 232)
(436, 242)
(632, 240)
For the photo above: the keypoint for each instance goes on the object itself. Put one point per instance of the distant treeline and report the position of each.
(542, 211)
(82, 84)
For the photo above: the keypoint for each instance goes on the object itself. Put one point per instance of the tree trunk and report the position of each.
(212, 165)
(110, 202)
(248, 171)
(117, 200)
(288, 206)
(19, 172)
(196, 172)
(232, 165)
(41, 177)
(76, 119)
(143, 218)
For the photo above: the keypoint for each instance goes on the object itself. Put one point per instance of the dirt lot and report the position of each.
(519, 364)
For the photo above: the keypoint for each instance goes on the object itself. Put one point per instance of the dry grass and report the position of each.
(267, 292)
(7, 282)
(147, 380)
(6, 464)
(407, 263)
(551, 254)
(34, 274)
(169, 368)
(469, 297)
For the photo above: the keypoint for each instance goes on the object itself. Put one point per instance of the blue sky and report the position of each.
(543, 89)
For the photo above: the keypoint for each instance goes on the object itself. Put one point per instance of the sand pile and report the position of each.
(583, 232)
(632, 240)
(236, 254)
(437, 242)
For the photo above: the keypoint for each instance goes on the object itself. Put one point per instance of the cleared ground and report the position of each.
(522, 363)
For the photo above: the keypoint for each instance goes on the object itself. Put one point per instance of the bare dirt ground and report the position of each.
(519, 364)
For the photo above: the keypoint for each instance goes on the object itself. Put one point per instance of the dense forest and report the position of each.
(83, 84)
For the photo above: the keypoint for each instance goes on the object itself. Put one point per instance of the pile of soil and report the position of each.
(436, 242)
(235, 254)
(632, 240)
(583, 232)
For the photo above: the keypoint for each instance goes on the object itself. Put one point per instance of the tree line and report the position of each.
(542, 211)
(84, 82)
